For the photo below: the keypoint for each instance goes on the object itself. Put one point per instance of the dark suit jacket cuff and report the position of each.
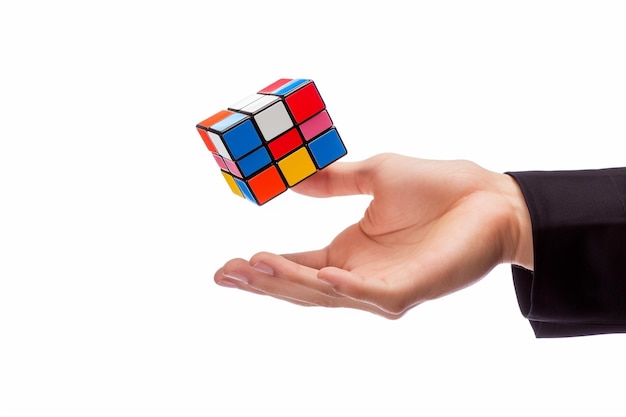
(578, 286)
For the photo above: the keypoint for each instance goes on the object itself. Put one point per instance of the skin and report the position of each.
(432, 227)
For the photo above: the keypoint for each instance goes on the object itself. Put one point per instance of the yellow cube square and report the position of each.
(297, 166)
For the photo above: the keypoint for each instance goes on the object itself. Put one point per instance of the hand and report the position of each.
(432, 227)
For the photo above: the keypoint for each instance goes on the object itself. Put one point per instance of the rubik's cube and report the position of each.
(273, 139)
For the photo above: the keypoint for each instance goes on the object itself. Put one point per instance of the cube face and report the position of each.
(273, 139)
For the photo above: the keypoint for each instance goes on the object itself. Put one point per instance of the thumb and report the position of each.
(339, 179)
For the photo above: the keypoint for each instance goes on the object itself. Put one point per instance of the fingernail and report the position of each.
(227, 283)
(263, 267)
(237, 277)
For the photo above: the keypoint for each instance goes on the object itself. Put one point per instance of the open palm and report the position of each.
(431, 228)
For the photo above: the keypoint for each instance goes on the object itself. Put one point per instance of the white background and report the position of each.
(114, 217)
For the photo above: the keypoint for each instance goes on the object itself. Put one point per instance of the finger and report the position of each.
(300, 269)
(303, 276)
(339, 179)
(316, 259)
(392, 298)
(237, 273)
(292, 282)
(229, 281)
(301, 286)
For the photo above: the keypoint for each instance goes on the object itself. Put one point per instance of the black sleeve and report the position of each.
(578, 286)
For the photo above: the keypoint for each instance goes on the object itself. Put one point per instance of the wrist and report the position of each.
(520, 250)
